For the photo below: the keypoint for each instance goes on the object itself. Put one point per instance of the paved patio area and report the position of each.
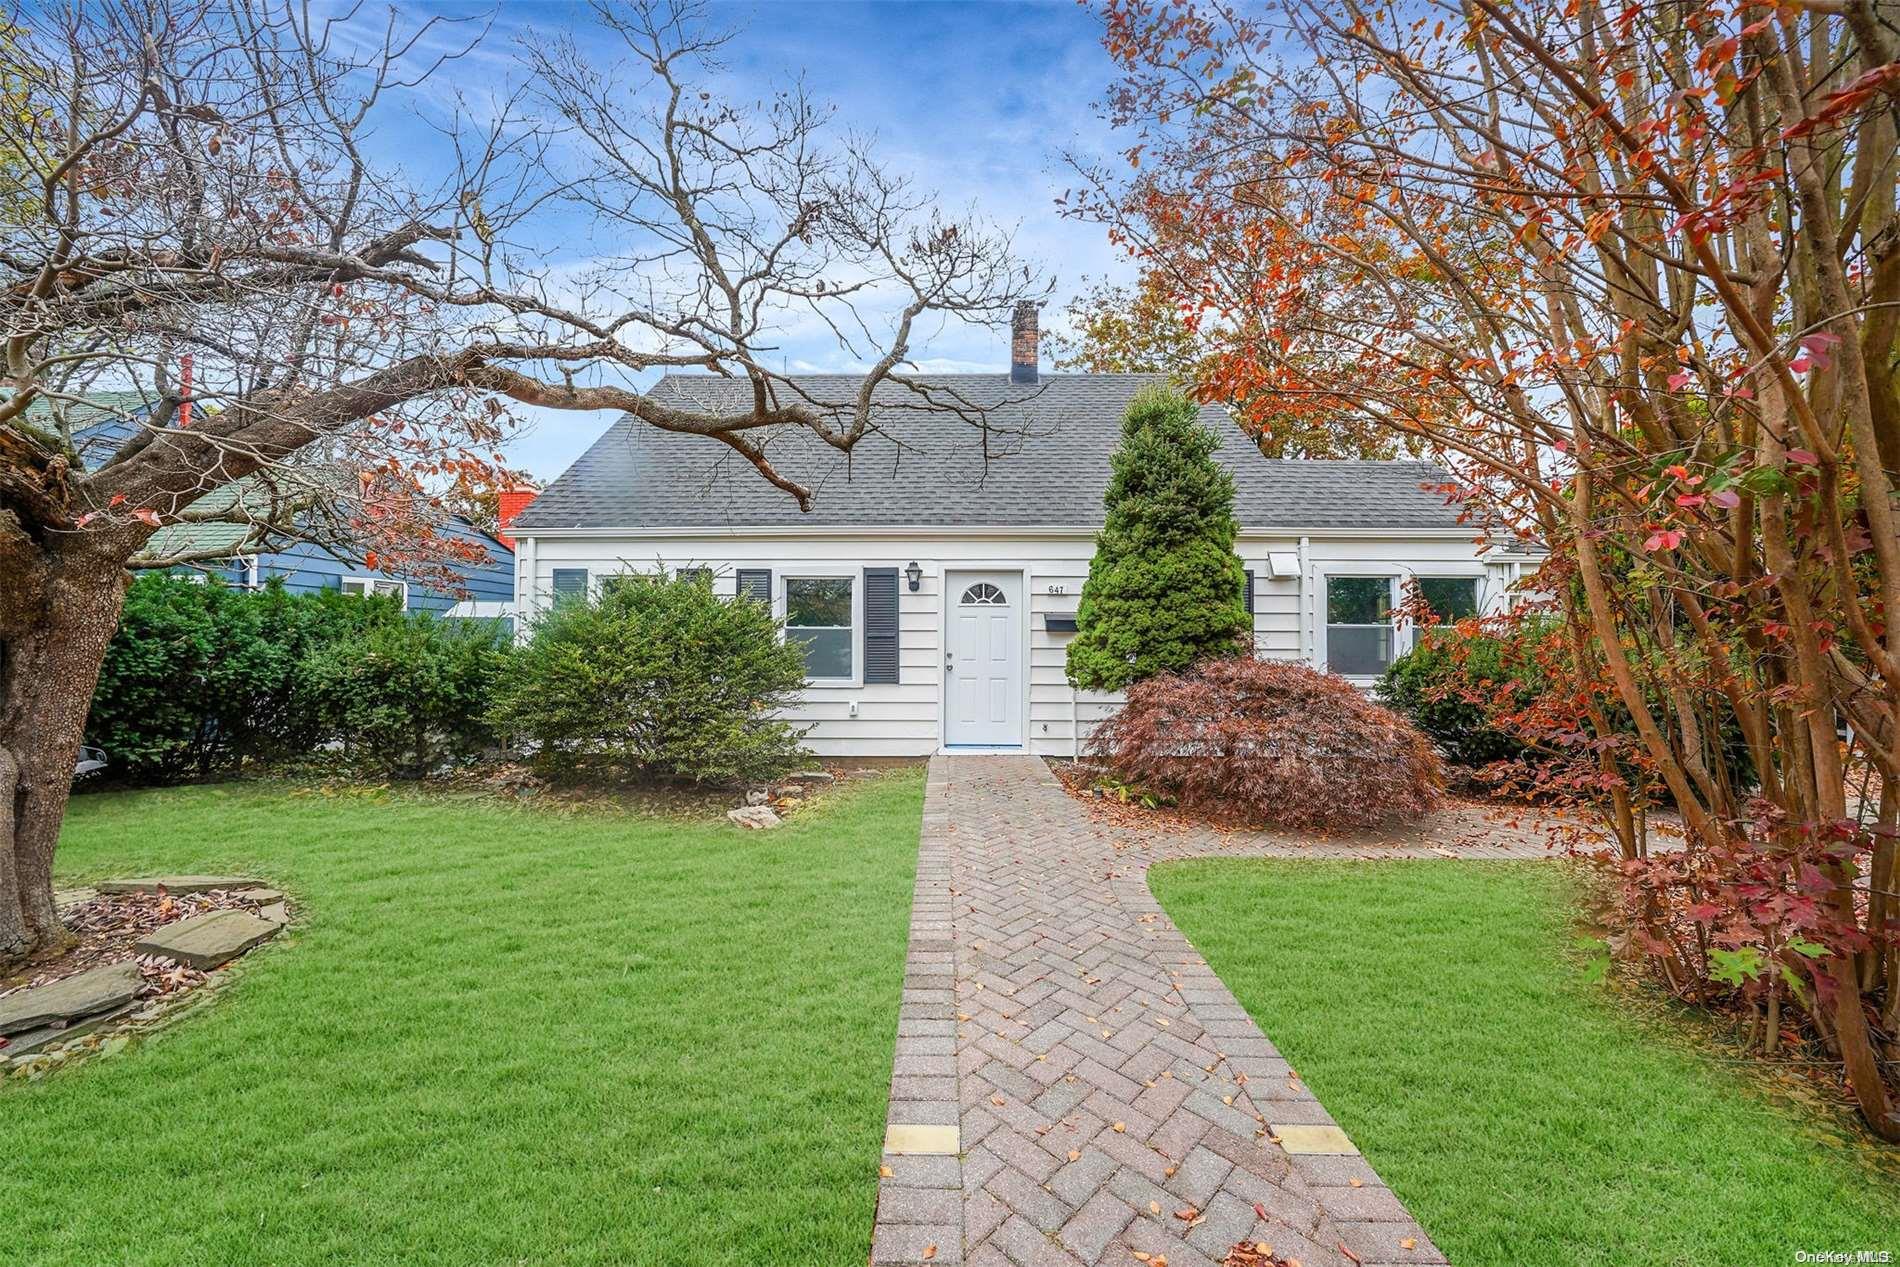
(1072, 1084)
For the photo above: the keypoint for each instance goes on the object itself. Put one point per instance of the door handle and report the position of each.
(948, 663)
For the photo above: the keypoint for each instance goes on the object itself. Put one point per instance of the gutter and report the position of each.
(956, 530)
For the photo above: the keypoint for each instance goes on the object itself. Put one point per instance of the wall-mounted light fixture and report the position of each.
(915, 575)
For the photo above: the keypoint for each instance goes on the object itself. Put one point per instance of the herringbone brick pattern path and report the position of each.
(1072, 1084)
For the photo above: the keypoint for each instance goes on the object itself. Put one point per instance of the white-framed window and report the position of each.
(1359, 638)
(1359, 629)
(1451, 598)
(822, 613)
(363, 586)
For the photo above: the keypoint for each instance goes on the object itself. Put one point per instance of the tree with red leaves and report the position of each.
(1633, 274)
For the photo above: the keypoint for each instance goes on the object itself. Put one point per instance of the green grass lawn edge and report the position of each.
(498, 1035)
(1524, 1113)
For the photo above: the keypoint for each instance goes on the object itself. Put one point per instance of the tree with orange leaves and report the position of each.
(1633, 274)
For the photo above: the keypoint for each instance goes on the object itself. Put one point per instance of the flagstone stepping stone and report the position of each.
(177, 883)
(21, 1047)
(206, 941)
(83, 994)
(263, 896)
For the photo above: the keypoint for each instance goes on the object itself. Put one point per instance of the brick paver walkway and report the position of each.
(1072, 1083)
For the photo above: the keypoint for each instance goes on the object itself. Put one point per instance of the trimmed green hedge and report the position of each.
(202, 678)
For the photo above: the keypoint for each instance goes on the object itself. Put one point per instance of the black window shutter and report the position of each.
(880, 626)
(1247, 594)
(756, 584)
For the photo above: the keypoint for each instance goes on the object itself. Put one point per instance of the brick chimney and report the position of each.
(511, 502)
(1024, 343)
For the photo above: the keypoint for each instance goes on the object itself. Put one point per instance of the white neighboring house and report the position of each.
(935, 586)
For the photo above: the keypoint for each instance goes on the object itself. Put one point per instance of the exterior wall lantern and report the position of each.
(915, 575)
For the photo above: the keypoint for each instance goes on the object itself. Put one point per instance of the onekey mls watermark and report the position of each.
(1849, 1256)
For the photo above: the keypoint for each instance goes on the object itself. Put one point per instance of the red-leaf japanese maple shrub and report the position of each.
(1265, 743)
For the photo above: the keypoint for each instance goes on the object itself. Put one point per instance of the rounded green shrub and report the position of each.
(1432, 684)
(657, 678)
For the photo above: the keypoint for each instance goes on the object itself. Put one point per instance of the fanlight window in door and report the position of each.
(983, 594)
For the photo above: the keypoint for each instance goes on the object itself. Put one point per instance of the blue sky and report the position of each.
(976, 101)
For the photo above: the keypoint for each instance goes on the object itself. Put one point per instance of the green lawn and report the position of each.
(1435, 1009)
(502, 1036)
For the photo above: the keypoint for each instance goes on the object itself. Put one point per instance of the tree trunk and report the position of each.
(49, 663)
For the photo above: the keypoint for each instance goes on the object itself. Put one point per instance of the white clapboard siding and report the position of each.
(905, 718)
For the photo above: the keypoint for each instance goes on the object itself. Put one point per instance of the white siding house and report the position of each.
(998, 544)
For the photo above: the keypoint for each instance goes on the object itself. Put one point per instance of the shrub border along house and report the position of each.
(959, 536)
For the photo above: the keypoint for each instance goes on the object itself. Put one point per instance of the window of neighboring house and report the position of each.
(379, 586)
(702, 575)
(1450, 597)
(818, 614)
(1358, 625)
(570, 585)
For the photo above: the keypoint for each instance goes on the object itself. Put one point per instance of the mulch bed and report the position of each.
(108, 925)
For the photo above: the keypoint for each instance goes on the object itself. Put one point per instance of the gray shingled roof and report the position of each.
(1047, 446)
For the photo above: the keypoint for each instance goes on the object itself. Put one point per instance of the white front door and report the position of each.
(983, 659)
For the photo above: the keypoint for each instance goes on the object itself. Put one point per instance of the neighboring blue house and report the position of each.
(307, 567)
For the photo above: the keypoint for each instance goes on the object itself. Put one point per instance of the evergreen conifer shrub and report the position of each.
(1165, 587)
